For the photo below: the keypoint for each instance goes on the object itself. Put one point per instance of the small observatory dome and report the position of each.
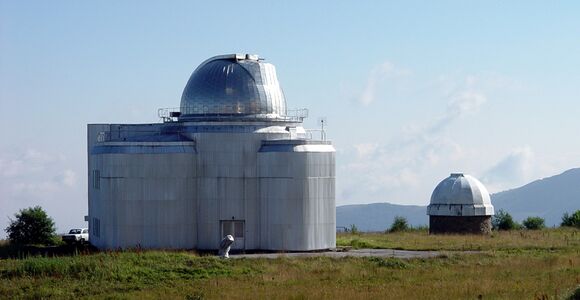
(460, 204)
(460, 195)
(233, 85)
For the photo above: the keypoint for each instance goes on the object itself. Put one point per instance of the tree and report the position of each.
(571, 220)
(504, 221)
(534, 223)
(399, 224)
(31, 226)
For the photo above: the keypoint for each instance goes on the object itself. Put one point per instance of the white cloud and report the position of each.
(34, 173)
(396, 171)
(37, 156)
(487, 81)
(514, 169)
(35, 188)
(366, 150)
(29, 161)
(465, 102)
(403, 169)
(39, 186)
(68, 178)
(462, 103)
(30, 177)
(380, 75)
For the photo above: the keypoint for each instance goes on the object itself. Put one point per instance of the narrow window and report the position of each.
(96, 227)
(96, 179)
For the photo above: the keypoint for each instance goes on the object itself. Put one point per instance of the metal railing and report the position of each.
(120, 134)
(298, 114)
(171, 114)
(309, 134)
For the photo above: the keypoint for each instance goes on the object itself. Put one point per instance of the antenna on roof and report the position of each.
(322, 121)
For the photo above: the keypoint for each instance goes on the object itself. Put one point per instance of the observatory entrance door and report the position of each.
(237, 229)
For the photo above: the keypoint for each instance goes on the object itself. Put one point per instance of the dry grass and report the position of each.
(560, 238)
(456, 277)
(512, 266)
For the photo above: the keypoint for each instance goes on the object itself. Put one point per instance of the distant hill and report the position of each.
(548, 198)
(379, 216)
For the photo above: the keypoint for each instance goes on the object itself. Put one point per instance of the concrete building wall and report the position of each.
(460, 224)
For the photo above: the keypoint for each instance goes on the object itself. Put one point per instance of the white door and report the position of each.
(237, 229)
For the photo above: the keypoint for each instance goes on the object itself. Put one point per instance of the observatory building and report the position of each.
(460, 204)
(231, 160)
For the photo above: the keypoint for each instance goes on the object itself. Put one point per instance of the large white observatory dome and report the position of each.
(233, 85)
(460, 195)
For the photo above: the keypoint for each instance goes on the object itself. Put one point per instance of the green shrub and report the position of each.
(399, 224)
(389, 262)
(534, 223)
(575, 294)
(504, 221)
(571, 220)
(196, 296)
(353, 229)
(423, 227)
(31, 226)
(361, 244)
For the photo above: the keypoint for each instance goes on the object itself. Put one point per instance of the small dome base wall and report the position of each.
(460, 224)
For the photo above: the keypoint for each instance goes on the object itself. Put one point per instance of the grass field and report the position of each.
(511, 265)
(559, 238)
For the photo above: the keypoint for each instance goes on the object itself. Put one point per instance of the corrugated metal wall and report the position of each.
(175, 194)
(228, 185)
(144, 199)
(297, 196)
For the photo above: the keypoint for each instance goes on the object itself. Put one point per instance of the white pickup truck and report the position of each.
(76, 235)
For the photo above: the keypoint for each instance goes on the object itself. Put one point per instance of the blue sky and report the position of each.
(412, 90)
